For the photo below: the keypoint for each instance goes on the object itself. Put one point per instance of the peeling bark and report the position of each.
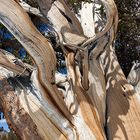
(44, 119)
(17, 117)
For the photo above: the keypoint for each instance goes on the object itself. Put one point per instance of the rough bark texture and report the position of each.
(16, 116)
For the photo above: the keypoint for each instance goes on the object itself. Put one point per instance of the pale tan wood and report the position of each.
(46, 128)
(29, 104)
(123, 102)
(30, 9)
(64, 22)
(87, 19)
(134, 76)
(72, 75)
(85, 110)
(78, 110)
(37, 46)
(10, 62)
(97, 90)
(17, 118)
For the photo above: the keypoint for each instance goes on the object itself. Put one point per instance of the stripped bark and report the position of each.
(37, 46)
(87, 22)
(122, 101)
(72, 107)
(17, 118)
(30, 10)
(134, 76)
(64, 22)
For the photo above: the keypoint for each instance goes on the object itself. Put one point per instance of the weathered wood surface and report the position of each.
(29, 114)
(64, 22)
(87, 19)
(8, 61)
(19, 119)
(134, 76)
(30, 10)
(37, 46)
(94, 95)
(34, 111)
(123, 102)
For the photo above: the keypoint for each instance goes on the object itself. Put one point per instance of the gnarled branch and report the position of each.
(37, 46)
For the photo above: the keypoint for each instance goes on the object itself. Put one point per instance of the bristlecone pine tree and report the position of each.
(93, 101)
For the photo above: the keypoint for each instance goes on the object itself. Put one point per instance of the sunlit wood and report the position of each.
(94, 101)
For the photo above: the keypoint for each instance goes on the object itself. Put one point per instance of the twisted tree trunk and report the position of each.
(96, 101)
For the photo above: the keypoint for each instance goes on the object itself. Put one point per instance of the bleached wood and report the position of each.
(30, 9)
(87, 19)
(64, 22)
(10, 62)
(134, 76)
(97, 90)
(74, 106)
(49, 122)
(17, 118)
(83, 107)
(39, 115)
(37, 46)
(123, 102)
